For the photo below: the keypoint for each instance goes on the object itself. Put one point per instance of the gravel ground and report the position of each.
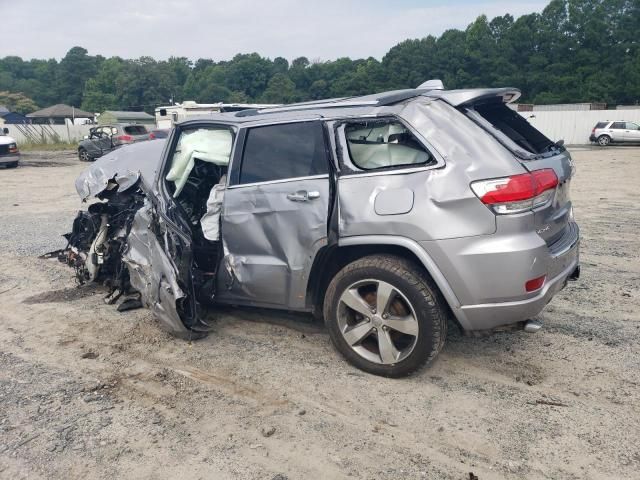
(86, 392)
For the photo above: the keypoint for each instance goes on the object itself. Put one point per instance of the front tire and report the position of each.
(604, 140)
(83, 155)
(385, 315)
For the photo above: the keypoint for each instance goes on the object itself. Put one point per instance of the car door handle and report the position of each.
(303, 196)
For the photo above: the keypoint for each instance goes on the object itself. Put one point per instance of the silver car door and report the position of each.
(617, 131)
(632, 132)
(274, 216)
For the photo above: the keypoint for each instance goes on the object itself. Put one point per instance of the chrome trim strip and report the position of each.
(283, 180)
(401, 171)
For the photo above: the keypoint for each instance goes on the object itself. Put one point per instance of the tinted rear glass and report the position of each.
(514, 126)
(618, 125)
(601, 124)
(284, 151)
(135, 130)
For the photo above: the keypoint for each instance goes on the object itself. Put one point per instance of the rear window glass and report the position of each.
(384, 143)
(618, 125)
(135, 130)
(514, 126)
(601, 124)
(279, 152)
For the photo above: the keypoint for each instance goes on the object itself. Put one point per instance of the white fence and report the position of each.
(574, 127)
(47, 133)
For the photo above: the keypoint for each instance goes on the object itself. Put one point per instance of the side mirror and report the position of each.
(5, 130)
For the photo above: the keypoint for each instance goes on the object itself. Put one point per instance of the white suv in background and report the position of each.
(618, 131)
(9, 155)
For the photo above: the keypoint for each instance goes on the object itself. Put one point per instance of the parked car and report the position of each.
(386, 215)
(605, 133)
(9, 154)
(159, 133)
(105, 138)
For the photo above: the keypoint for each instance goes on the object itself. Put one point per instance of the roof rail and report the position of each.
(308, 106)
(377, 100)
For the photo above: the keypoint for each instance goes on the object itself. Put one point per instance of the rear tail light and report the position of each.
(517, 193)
(13, 148)
(535, 283)
(593, 132)
(125, 138)
(152, 136)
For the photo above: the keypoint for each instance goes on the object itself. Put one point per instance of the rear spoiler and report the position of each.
(467, 97)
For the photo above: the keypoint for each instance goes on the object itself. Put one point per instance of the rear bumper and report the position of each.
(9, 158)
(492, 315)
(493, 273)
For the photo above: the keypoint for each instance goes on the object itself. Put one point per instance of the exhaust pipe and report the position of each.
(532, 326)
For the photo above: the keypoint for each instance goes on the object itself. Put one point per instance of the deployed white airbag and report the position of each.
(206, 144)
(379, 155)
(210, 221)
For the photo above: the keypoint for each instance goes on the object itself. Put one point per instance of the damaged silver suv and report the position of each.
(386, 214)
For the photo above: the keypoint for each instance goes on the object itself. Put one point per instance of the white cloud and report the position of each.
(325, 29)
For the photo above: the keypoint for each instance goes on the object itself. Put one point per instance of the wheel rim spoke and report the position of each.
(388, 351)
(407, 325)
(352, 299)
(357, 333)
(384, 295)
(377, 321)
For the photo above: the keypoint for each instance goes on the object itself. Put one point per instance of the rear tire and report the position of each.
(11, 165)
(604, 140)
(83, 155)
(385, 315)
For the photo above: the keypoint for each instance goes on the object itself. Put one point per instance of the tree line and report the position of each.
(573, 51)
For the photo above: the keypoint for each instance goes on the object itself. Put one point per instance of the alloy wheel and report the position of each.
(377, 321)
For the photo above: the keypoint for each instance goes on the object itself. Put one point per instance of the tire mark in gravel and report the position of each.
(233, 387)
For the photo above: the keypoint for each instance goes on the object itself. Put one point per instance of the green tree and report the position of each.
(280, 90)
(73, 71)
(573, 51)
(17, 102)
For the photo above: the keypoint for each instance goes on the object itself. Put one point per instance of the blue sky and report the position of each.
(318, 29)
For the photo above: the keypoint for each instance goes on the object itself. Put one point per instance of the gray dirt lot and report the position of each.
(87, 392)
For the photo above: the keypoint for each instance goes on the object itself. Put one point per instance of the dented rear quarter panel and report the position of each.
(444, 206)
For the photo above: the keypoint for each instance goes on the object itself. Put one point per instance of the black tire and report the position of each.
(11, 165)
(83, 155)
(604, 140)
(414, 284)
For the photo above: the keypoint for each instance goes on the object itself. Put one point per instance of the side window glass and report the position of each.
(278, 152)
(632, 126)
(384, 143)
(618, 125)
